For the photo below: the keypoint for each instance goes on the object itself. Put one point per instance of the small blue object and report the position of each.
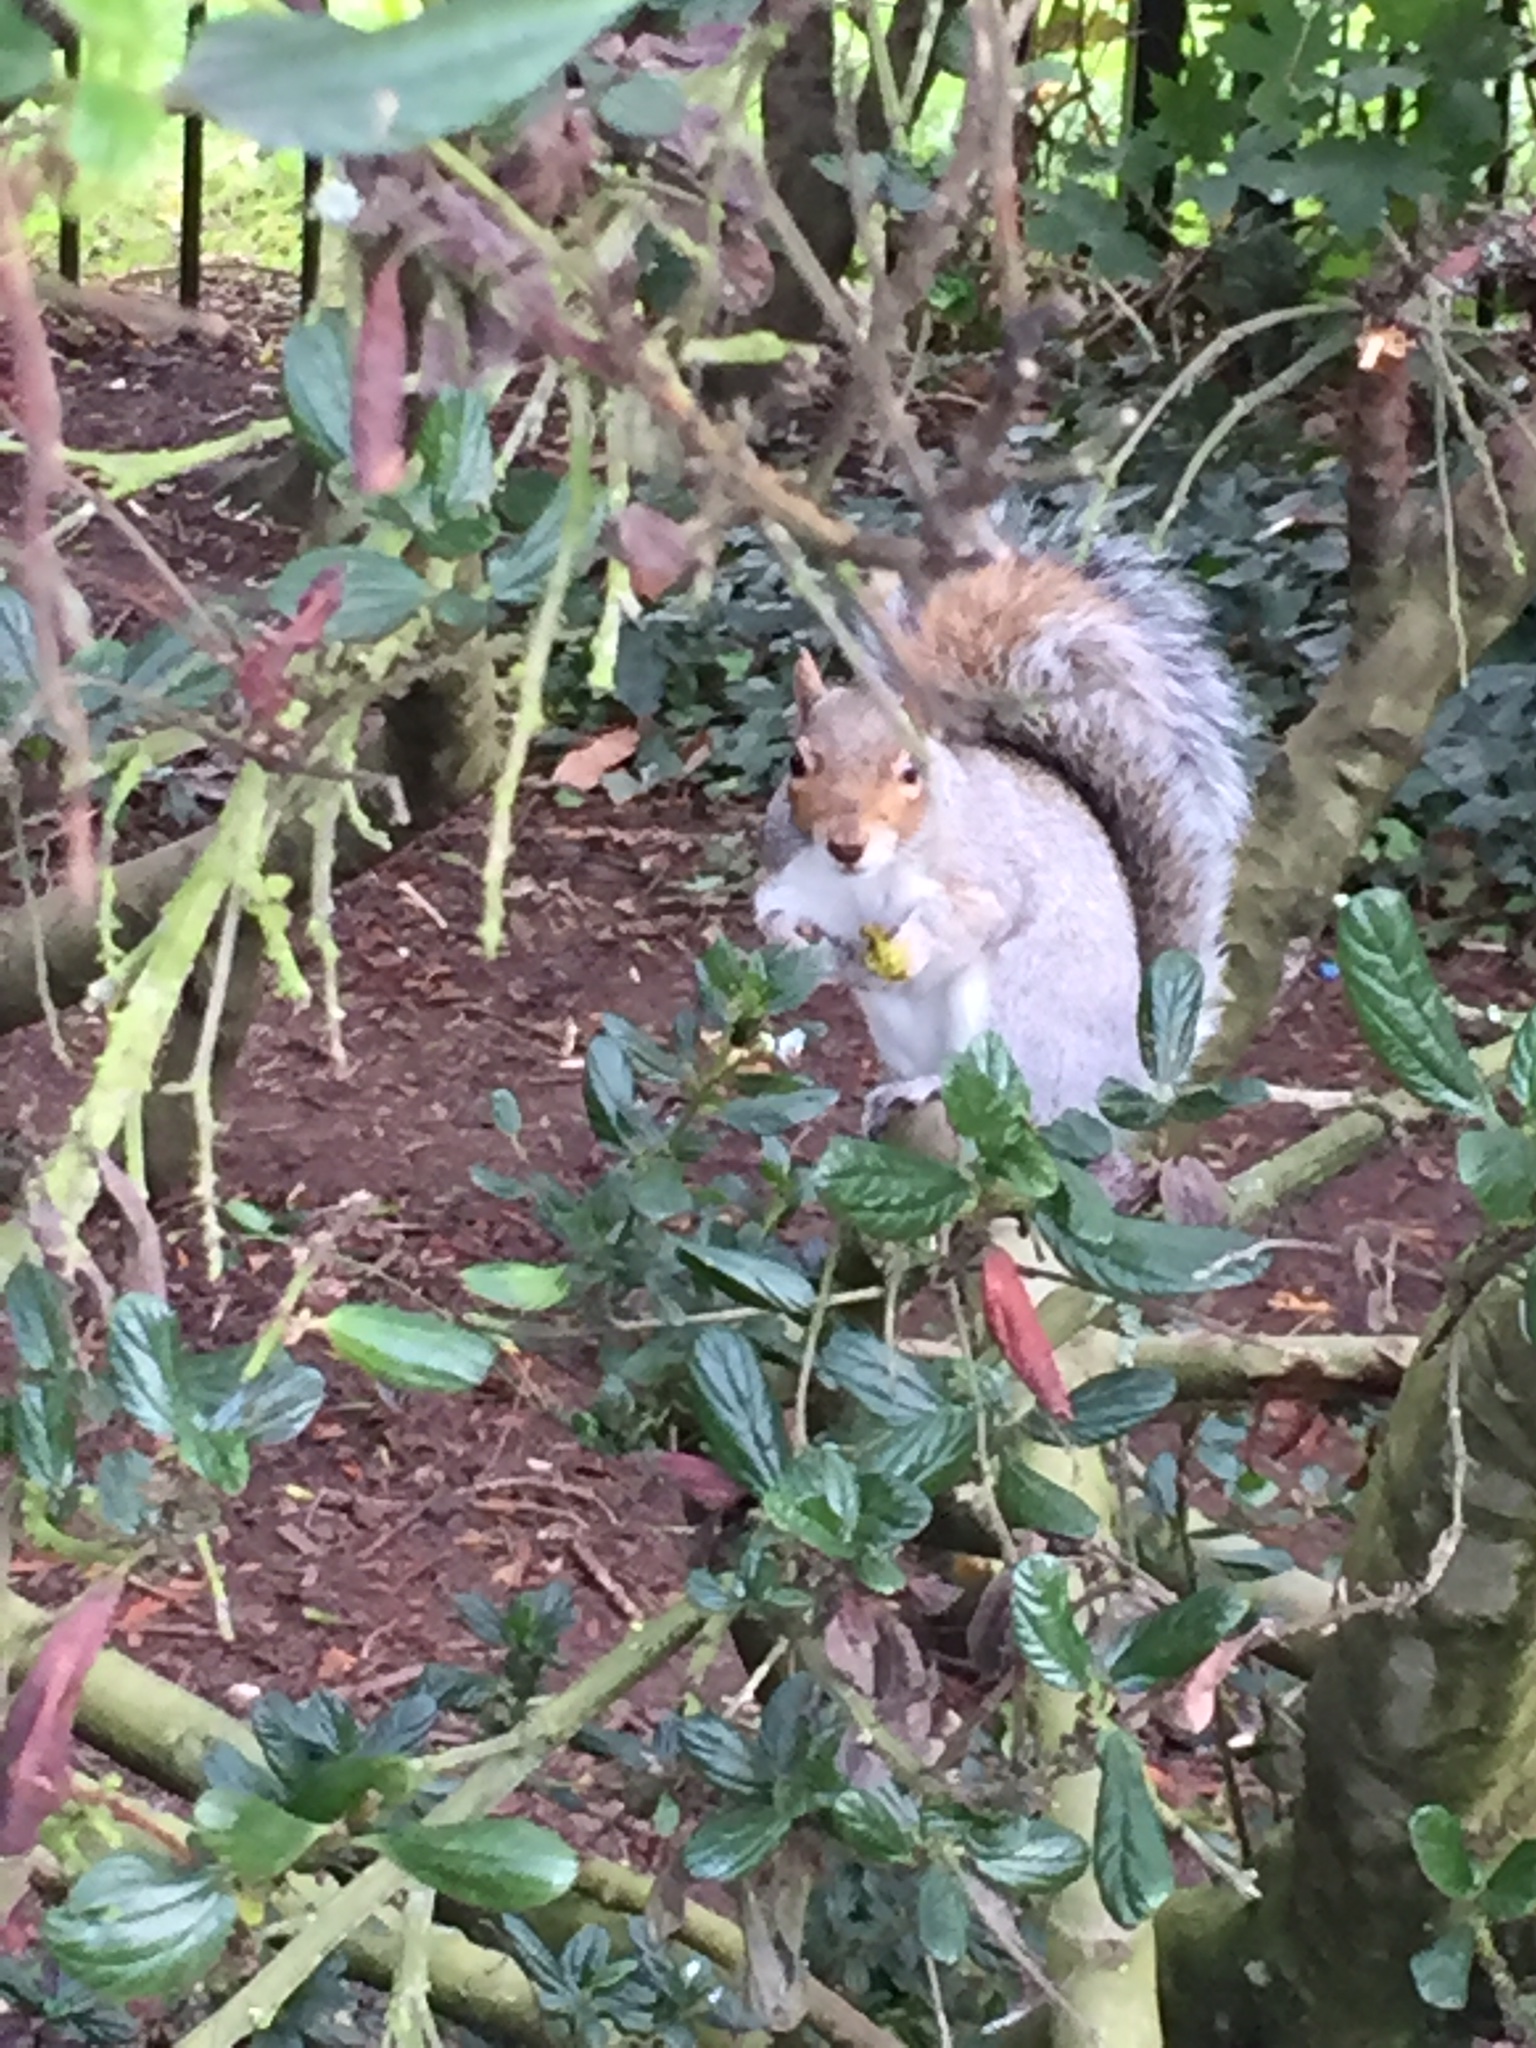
(1328, 969)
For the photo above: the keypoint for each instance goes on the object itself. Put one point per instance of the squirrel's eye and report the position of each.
(909, 772)
(798, 764)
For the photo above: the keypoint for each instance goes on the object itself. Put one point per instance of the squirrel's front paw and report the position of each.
(882, 1103)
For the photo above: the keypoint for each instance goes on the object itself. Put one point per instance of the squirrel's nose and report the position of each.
(846, 852)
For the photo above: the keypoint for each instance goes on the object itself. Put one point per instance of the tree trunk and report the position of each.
(1156, 52)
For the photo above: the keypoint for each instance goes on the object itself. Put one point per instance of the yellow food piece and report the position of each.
(884, 953)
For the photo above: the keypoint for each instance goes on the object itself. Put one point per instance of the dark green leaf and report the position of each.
(517, 574)
(1078, 1137)
(26, 55)
(257, 1839)
(775, 1103)
(1402, 1013)
(1130, 1108)
(893, 1387)
(729, 1845)
(143, 1347)
(1497, 1162)
(741, 1420)
(1443, 1972)
(756, 1278)
(1130, 1852)
(932, 1451)
(1200, 1104)
(379, 591)
(1440, 1848)
(815, 1499)
(274, 1408)
(1109, 1405)
(985, 1096)
(1522, 1064)
(407, 1348)
(943, 1915)
(887, 1192)
(45, 1431)
(1048, 1636)
(512, 1284)
(647, 105)
(317, 384)
(499, 1865)
(141, 1926)
(1510, 1892)
(18, 660)
(305, 82)
(1174, 1640)
(1168, 1020)
(891, 1512)
(723, 1754)
(458, 459)
(1029, 1854)
(1031, 1501)
(1142, 1256)
(878, 1821)
(38, 1307)
(123, 1482)
(608, 1089)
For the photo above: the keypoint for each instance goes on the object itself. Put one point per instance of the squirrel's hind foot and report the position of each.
(883, 1103)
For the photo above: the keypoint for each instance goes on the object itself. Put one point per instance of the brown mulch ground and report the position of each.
(343, 1556)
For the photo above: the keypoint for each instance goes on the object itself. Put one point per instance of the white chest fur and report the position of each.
(919, 1023)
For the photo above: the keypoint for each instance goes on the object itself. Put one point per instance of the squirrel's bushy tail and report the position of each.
(1107, 673)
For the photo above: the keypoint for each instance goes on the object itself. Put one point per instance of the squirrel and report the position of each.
(1050, 793)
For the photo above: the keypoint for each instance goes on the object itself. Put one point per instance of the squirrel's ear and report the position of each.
(809, 687)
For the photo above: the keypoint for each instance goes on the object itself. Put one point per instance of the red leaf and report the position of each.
(378, 385)
(701, 1479)
(35, 1744)
(263, 679)
(1012, 1319)
(1193, 1706)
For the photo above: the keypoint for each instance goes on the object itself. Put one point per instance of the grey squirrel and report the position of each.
(1065, 805)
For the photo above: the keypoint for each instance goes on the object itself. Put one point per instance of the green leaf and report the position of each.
(19, 688)
(816, 1500)
(45, 1432)
(1174, 1640)
(893, 1387)
(725, 1756)
(1168, 1019)
(1207, 1100)
(256, 1838)
(305, 82)
(1130, 1852)
(1510, 1892)
(317, 386)
(1522, 1064)
(1029, 1854)
(1443, 1972)
(887, 1192)
(379, 592)
(123, 1496)
(757, 1279)
(647, 105)
(1497, 1162)
(499, 1865)
(728, 1845)
(26, 55)
(506, 1112)
(741, 1420)
(1031, 1501)
(943, 1915)
(38, 1307)
(406, 1348)
(608, 1089)
(141, 1926)
(143, 1346)
(987, 1100)
(457, 455)
(1108, 1405)
(518, 573)
(512, 1284)
(1440, 1849)
(932, 1451)
(1141, 1256)
(1405, 1018)
(1048, 1637)
(878, 1821)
